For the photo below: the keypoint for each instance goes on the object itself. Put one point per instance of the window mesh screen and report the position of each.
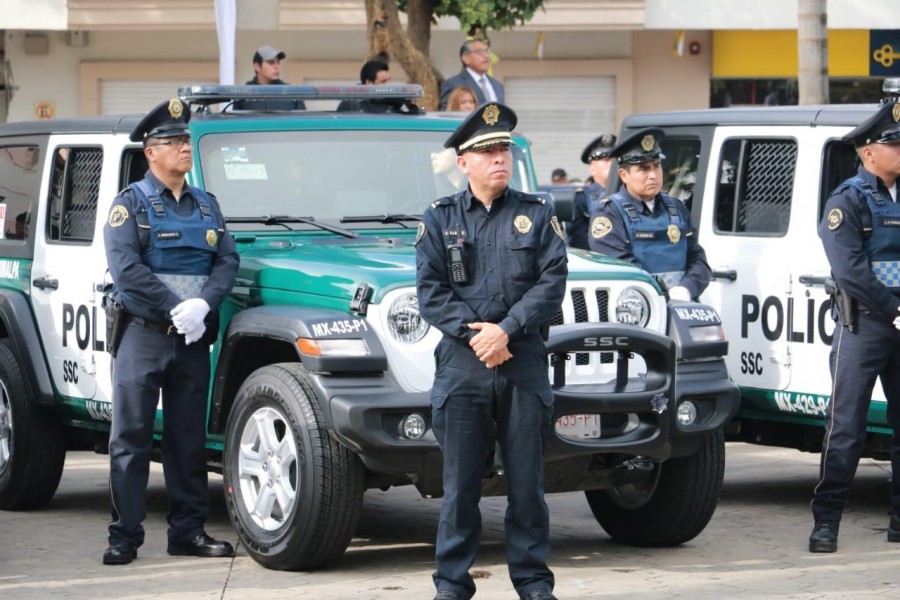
(82, 193)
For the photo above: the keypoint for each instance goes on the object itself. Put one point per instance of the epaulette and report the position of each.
(528, 197)
(446, 201)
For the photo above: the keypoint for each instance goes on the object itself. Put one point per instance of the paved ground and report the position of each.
(755, 546)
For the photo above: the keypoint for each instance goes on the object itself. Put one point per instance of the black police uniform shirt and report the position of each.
(616, 242)
(843, 243)
(515, 258)
(141, 292)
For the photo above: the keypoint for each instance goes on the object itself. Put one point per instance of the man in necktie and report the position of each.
(475, 56)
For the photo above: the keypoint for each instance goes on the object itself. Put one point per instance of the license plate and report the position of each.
(579, 427)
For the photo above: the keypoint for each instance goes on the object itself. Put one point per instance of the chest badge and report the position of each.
(600, 227)
(835, 218)
(211, 237)
(522, 223)
(674, 233)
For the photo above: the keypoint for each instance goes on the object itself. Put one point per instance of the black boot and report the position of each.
(824, 536)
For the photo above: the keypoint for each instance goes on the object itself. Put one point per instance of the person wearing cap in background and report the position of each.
(491, 274)
(860, 232)
(597, 155)
(267, 66)
(172, 263)
(640, 224)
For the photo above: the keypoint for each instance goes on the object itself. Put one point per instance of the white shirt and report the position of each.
(487, 88)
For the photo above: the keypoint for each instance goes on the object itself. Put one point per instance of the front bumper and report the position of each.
(638, 414)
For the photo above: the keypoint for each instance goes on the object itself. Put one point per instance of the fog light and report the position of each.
(412, 427)
(687, 413)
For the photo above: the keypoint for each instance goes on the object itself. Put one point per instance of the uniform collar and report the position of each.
(873, 180)
(159, 187)
(469, 201)
(641, 206)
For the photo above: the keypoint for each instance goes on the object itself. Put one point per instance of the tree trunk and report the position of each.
(414, 61)
(812, 52)
(419, 14)
(377, 41)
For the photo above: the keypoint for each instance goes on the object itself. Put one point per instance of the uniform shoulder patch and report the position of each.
(421, 230)
(600, 227)
(118, 215)
(835, 218)
(554, 222)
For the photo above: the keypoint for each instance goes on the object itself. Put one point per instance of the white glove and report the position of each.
(189, 315)
(897, 321)
(194, 335)
(679, 292)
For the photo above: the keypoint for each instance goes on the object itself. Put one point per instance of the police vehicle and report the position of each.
(756, 180)
(323, 366)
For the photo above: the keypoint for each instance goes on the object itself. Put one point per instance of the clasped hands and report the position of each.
(490, 344)
(188, 318)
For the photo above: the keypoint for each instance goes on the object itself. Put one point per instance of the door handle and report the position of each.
(44, 283)
(812, 279)
(729, 274)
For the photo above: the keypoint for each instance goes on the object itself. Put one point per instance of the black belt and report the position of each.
(167, 328)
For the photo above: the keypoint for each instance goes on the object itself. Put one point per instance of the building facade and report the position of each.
(576, 70)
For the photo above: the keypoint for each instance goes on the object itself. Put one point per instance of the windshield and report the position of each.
(330, 175)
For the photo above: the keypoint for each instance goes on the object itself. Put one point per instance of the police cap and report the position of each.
(168, 119)
(489, 125)
(881, 128)
(640, 147)
(600, 147)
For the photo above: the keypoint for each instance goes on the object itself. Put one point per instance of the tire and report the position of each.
(303, 516)
(672, 506)
(32, 444)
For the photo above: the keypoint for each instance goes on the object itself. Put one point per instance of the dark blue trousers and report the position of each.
(149, 362)
(470, 409)
(857, 359)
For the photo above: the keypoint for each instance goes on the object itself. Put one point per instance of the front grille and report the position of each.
(575, 304)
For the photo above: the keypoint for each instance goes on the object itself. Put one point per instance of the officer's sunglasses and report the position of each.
(177, 143)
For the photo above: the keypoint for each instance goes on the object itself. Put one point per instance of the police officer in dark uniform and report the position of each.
(598, 156)
(172, 261)
(640, 224)
(861, 236)
(491, 274)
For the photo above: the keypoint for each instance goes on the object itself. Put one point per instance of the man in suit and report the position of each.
(475, 56)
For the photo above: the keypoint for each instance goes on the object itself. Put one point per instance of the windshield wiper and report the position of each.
(284, 219)
(383, 219)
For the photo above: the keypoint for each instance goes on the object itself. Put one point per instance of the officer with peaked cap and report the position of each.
(861, 236)
(598, 156)
(172, 262)
(491, 274)
(642, 225)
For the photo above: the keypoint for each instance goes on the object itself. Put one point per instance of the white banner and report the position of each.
(226, 22)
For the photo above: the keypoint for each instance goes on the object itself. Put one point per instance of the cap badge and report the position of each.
(895, 112)
(175, 108)
(606, 140)
(674, 233)
(491, 115)
(522, 223)
(835, 218)
(211, 237)
(647, 143)
(600, 227)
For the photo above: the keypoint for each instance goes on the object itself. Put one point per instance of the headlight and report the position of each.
(404, 321)
(632, 308)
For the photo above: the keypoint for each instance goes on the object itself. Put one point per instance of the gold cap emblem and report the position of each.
(491, 115)
(895, 112)
(175, 108)
(674, 233)
(211, 237)
(522, 223)
(647, 143)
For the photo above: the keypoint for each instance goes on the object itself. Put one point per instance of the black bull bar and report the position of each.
(641, 409)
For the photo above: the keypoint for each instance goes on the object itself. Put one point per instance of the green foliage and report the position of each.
(484, 15)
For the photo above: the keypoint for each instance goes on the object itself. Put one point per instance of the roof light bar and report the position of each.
(212, 94)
